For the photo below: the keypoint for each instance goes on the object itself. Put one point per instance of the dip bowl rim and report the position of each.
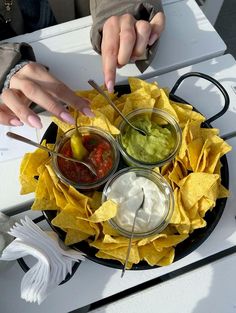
(166, 116)
(98, 183)
(158, 179)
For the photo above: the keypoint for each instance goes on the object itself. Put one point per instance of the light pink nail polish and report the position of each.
(152, 39)
(110, 86)
(66, 117)
(88, 112)
(34, 121)
(16, 122)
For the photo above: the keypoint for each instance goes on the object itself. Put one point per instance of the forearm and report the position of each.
(10, 55)
(101, 10)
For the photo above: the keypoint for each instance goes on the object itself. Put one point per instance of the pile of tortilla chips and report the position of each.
(194, 176)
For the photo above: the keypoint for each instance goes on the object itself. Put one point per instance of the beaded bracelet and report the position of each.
(12, 72)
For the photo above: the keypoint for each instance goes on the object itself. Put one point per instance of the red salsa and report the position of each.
(100, 156)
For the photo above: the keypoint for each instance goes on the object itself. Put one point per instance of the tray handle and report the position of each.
(214, 82)
(25, 267)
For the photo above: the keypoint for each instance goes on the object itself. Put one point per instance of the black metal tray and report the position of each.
(212, 217)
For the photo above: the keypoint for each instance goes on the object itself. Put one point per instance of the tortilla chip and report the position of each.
(74, 236)
(202, 183)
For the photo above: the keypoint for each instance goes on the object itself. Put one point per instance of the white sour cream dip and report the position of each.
(127, 191)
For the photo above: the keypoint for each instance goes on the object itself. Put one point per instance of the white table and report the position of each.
(188, 38)
(208, 289)
(198, 291)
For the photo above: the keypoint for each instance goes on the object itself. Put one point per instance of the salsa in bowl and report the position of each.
(95, 147)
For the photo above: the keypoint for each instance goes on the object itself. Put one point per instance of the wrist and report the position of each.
(12, 72)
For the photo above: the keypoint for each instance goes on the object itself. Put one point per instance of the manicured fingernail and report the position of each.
(34, 121)
(88, 112)
(153, 38)
(86, 102)
(110, 86)
(66, 117)
(16, 122)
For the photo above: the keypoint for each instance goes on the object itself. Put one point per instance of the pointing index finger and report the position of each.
(110, 48)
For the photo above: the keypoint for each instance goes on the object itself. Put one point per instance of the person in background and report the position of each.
(121, 31)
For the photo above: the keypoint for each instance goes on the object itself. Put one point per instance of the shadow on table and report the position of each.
(221, 297)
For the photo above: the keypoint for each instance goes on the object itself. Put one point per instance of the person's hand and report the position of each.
(33, 83)
(125, 38)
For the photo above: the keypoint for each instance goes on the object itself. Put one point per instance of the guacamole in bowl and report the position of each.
(158, 147)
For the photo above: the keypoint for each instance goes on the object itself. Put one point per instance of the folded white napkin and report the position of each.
(55, 260)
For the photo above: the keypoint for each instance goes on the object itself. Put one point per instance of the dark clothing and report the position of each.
(36, 14)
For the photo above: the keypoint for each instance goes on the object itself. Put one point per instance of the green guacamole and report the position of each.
(153, 148)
